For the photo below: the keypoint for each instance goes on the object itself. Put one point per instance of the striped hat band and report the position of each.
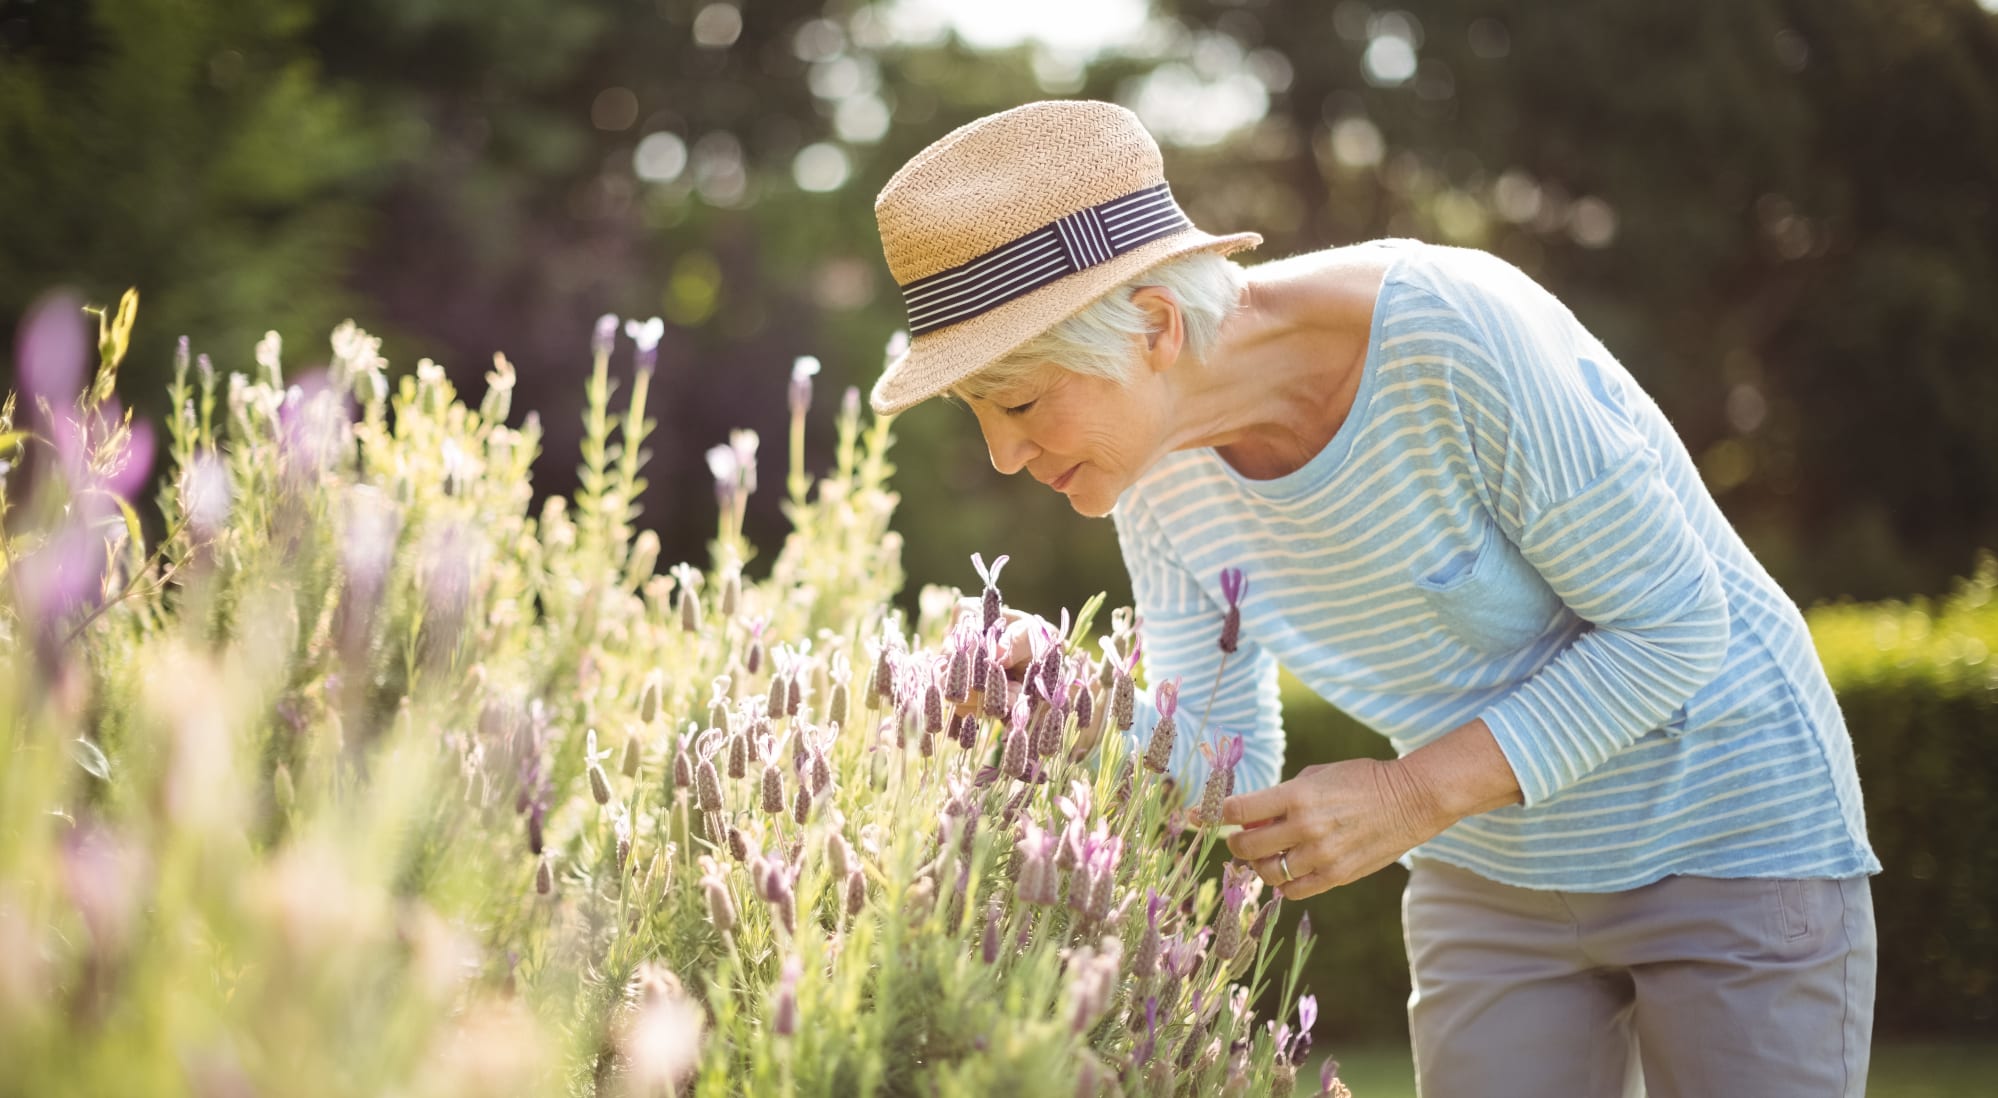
(1075, 242)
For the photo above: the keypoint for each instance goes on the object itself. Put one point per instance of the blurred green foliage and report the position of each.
(1918, 684)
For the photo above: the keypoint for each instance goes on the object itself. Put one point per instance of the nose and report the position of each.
(1009, 447)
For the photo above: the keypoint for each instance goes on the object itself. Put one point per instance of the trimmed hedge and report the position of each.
(1918, 683)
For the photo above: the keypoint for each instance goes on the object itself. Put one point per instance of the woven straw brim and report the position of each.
(940, 359)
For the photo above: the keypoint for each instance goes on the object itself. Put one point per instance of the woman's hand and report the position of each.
(1338, 822)
(1334, 823)
(1014, 641)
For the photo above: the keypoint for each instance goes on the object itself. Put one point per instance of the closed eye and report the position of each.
(1019, 409)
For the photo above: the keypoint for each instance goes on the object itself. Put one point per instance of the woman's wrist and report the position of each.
(1459, 774)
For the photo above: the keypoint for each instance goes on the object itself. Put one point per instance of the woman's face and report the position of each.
(1086, 437)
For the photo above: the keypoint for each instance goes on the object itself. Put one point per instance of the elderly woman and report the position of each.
(1637, 852)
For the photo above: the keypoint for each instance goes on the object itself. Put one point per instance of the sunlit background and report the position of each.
(1781, 215)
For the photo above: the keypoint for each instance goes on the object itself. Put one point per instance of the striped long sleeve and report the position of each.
(1182, 629)
(1573, 485)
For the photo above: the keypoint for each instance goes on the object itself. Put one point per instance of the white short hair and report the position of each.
(1103, 339)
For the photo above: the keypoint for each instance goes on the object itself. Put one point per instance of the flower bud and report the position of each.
(933, 709)
(731, 594)
(1124, 702)
(822, 774)
(721, 909)
(957, 681)
(690, 610)
(1085, 707)
(707, 784)
(599, 784)
(780, 696)
(648, 698)
(801, 808)
(1158, 754)
(773, 789)
(544, 877)
(1047, 733)
(1013, 760)
(856, 892)
(839, 854)
(996, 689)
(836, 705)
(991, 951)
(881, 684)
(631, 756)
(738, 844)
(784, 1012)
(1227, 936)
(1211, 797)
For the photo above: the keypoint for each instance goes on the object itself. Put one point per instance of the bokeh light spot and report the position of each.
(660, 158)
(1389, 61)
(820, 167)
(717, 26)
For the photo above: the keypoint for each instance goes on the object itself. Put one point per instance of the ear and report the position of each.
(1165, 326)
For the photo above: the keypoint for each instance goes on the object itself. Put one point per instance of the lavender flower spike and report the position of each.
(803, 369)
(605, 337)
(1221, 776)
(1234, 588)
(1158, 754)
(646, 335)
(991, 607)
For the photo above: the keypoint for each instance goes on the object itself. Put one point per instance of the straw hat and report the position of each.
(1011, 224)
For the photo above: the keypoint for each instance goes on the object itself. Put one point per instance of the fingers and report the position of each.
(1254, 844)
(1311, 884)
(1263, 804)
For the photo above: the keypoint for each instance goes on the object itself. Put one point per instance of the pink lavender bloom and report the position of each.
(1221, 761)
(605, 337)
(933, 709)
(646, 335)
(991, 607)
(1152, 943)
(1013, 759)
(957, 679)
(1039, 880)
(1092, 979)
(1234, 588)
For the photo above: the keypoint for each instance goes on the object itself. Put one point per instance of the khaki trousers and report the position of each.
(1692, 987)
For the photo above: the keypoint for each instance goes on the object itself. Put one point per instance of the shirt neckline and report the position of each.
(1322, 466)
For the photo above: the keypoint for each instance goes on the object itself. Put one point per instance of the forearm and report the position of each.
(1459, 774)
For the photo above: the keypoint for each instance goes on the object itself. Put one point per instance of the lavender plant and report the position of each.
(366, 777)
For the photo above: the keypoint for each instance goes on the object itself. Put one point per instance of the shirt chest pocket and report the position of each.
(1488, 596)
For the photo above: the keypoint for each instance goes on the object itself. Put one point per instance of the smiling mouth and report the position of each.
(1061, 481)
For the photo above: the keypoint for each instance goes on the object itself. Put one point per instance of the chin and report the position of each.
(1092, 504)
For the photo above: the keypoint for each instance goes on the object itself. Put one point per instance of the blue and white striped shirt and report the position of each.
(1507, 527)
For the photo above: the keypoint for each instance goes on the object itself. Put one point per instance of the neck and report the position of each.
(1282, 377)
